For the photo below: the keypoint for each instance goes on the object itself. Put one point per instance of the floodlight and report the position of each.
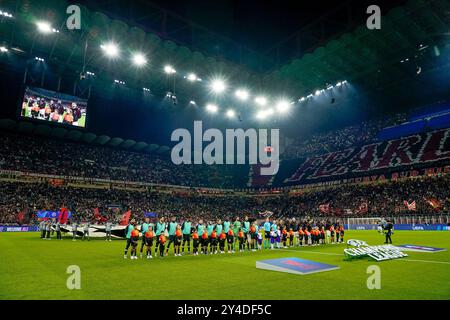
(263, 114)
(212, 108)
(242, 94)
(3, 49)
(192, 77)
(262, 101)
(5, 14)
(230, 113)
(218, 86)
(110, 49)
(44, 26)
(169, 69)
(139, 59)
(283, 106)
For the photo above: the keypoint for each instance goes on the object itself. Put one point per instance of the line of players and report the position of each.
(49, 110)
(215, 238)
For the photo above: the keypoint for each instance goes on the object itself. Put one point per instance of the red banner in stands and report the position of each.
(382, 158)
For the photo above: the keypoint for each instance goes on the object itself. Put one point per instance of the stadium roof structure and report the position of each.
(373, 59)
(26, 127)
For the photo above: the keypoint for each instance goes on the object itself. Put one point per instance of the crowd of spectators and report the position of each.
(35, 154)
(431, 194)
(334, 140)
(64, 158)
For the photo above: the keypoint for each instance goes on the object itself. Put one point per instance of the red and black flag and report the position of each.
(63, 215)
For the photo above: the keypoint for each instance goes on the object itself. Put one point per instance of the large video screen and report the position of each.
(55, 107)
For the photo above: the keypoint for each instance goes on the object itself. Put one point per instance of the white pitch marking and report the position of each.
(426, 261)
(339, 254)
(317, 252)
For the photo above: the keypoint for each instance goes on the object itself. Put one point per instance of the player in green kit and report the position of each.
(144, 229)
(172, 229)
(128, 231)
(200, 227)
(209, 230)
(236, 228)
(160, 228)
(226, 225)
(246, 229)
(187, 230)
(219, 227)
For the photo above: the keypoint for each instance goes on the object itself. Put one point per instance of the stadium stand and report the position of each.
(36, 173)
(376, 199)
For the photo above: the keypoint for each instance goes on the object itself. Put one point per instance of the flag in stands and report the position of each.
(21, 216)
(266, 214)
(325, 208)
(363, 208)
(434, 203)
(411, 206)
(125, 218)
(63, 215)
(98, 217)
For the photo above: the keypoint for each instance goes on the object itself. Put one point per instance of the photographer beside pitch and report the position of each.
(388, 231)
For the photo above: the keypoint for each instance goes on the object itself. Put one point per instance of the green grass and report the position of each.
(31, 268)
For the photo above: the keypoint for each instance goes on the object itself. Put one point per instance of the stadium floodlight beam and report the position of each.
(139, 59)
(261, 101)
(302, 99)
(44, 27)
(318, 92)
(218, 86)
(110, 49)
(242, 94)
(3, 49)
(192, 102)
(169, 69)
(230, 113)
(212, 108)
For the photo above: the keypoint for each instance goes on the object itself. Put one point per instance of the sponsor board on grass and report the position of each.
(379, 253)
(418, 248)
(18, 229)
(294, 265)
(405, 226)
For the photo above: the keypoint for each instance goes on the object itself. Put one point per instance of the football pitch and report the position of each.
(31, 268)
